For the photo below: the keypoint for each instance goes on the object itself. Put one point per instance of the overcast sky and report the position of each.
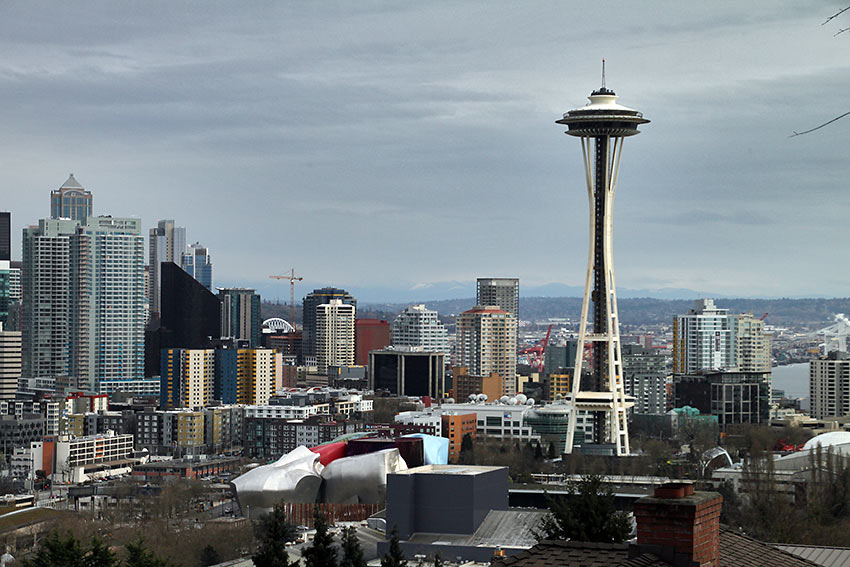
(392, 146)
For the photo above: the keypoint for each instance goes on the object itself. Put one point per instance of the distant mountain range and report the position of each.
(813, 313)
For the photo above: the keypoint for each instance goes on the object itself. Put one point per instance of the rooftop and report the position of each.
(501, 528)
(466, 470)
(736, 550)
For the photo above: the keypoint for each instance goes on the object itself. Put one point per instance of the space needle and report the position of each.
(602, 125)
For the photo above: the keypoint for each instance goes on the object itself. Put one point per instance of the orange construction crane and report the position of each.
(763, 316)
(292, 279)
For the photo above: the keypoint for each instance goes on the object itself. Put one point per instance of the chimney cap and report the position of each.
(679, 489)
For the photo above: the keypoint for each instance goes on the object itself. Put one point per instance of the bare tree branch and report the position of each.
(832, 17)
(821, 126)
(841, 31)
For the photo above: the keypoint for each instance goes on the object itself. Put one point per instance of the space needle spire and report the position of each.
(601, 126)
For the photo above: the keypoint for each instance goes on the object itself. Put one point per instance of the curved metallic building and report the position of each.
(295, 477)
(361, 479)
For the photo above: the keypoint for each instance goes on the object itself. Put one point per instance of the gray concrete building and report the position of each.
(503, 292)
(457, 511)
(645, 378)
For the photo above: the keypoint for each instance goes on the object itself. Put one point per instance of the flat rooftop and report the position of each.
(501, 528)
(468, 470)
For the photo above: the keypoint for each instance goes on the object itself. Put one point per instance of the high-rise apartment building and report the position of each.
(334, 335)
(10, 294)
(420, 328)
(167, 244)
(829, 386)
(240, 314)
(5, 291)
(107, 303)
(197, 263)
(10, 363)
(709, 338)
(645, 378)
(486, 343)
(15, 293)
(751, 343)
(503, 292)
(244, 375)
(46, 294)
(187, 378)
(310, 304)
(702, 339)
(70, 201)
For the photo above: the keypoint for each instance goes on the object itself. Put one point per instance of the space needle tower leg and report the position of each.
(601, 126)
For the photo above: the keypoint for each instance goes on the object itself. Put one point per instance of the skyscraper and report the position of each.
(419, 327)
(829, 385)
(334, 335)
(750, 343)
(5, 291)
(107, 304)
(602, 126)
(240, 314)
(645, 377)
(702, 339)
(70, 201)
(311, 302)
(46, 294)
(486, 343)
(167, 244)
(197, 263)
(5, 236)
(10, 363)
(503, 292)
(187, 377)
(191, 316)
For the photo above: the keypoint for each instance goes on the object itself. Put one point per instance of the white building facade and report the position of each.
(334, 335)
(418, 327)
(702, 339)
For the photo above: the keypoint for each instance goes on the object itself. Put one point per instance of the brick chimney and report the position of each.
(679, 525)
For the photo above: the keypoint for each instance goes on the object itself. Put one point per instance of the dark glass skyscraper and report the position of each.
(191, 315)
(5, 236)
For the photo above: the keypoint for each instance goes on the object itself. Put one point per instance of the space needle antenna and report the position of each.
(603, 74)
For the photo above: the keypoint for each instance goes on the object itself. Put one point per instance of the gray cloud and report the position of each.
(416, 144)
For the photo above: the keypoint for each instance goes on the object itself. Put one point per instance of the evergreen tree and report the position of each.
(209, 556)
(538, 452)
(139, 556)
(67, 551)
(588, 514)
(272, 532)
(394, 556)
(467, 451)
(352, 553)
(551, 454)
(321, 553)
(438, 560)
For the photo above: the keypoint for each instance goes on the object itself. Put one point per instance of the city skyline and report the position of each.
(347, 125)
